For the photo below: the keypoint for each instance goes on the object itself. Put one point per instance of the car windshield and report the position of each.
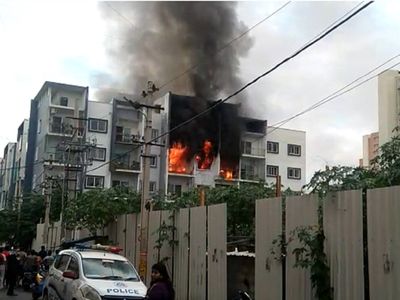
(109, 269)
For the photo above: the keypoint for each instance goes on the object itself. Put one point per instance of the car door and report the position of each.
(71, 285)
(56, 280)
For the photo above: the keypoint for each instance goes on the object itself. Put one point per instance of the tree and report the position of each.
(95, 209)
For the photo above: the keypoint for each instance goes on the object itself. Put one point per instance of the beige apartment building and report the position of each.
(370, 148)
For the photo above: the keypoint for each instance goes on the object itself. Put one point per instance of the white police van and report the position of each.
(93, 275)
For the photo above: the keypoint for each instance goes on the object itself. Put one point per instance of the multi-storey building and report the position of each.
(370, 149)
(8, 176)
(286, 156)
(56, 134)
(388, 104)
(20, 160)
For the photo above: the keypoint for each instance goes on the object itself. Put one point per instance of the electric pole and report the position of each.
(47, 193)
(145, 195)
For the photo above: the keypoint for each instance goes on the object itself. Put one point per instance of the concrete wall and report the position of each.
(283, 160)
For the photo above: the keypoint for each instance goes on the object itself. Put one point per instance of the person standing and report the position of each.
(42, 253)
(12, 273)
(160, 286)
(3, 261)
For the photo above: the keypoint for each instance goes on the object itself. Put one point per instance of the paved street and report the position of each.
(21, 295)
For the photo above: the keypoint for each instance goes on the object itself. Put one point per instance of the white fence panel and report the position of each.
(153, 253)
(131, 244)
(383, 207)
(217, 267)
(344, 243)
(197, 268)
(300, 211)
(166, 250)
(181, 272)
(268, 270)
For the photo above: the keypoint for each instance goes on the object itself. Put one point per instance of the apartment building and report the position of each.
(286, 156)
(388, 104)
(8, 176)
(20, 160)
(370, 149)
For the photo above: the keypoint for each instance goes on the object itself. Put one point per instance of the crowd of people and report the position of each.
(15, 262)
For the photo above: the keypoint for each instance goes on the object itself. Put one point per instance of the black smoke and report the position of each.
(158, 40)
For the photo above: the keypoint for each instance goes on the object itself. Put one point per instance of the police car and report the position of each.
(93, 275)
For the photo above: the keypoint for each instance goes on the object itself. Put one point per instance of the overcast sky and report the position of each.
(65, 42)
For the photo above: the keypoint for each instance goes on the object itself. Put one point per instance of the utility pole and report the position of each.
(278, 186)
(145, 195)
(47, 193)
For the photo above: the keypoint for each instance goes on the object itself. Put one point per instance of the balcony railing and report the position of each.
(251, 176)
(125, 163)
(254, 151)
(127, 138)
(60, 128)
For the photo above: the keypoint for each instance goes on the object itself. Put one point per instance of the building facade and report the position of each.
(8, 176)
(286, 156)
(20, 160)
(388, 104)
(370, 149)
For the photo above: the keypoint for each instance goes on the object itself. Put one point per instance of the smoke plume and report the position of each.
(160, 40)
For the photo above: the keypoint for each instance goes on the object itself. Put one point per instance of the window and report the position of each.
(154, 133)
(246, 147)
(153, 186)
(272, 171)
(123, 134)
(153, 161)
(73, 266)
(294, 173)
(272, 147)
(98, 154)
(64, 101)
(93, 182)
(39, 127)
(120, 183)
(61, 262)
(98, 125)
(294, 150)
(175, 189)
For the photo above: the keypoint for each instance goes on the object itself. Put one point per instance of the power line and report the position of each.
(215, 104)
(335, 94)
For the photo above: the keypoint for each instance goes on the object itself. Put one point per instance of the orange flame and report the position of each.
(177, 162)
(207, 155)
(227, 174)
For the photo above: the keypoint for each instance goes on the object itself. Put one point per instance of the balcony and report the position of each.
(253, 152)
(60, 128)
(125, 163)
(251, 176)
(128, 139)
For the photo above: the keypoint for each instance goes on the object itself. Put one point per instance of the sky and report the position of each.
(67, 41)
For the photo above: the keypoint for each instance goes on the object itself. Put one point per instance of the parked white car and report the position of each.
(93, 275)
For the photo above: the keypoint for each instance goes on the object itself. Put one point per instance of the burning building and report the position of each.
(210, 150)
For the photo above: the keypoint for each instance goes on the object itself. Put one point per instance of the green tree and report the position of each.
(95, 209)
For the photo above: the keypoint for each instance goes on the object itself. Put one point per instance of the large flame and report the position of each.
(206, 158)
(177, 162)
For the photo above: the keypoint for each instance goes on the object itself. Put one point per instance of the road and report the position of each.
(21, 295)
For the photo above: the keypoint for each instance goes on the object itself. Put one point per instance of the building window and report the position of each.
(272, 171)
(272, 147)
(153, 161)
(120, 183)
(175, 189)
(294, 173)
(294, 150)
(98, 154)
(154, 134)
(64, 101)
(39, 127)
(246, 147)
(93, 182)
(98, 125)
(152, 186)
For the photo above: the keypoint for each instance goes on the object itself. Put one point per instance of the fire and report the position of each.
(227, 174)
(206, 158)
(177, 162)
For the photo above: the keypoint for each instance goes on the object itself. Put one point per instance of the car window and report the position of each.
(96, 268)
(73, 265)
(62, 262)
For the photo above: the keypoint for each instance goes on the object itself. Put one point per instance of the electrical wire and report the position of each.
(219, 102)
(337, 93)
